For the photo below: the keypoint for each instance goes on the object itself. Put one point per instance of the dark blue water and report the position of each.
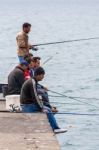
(74, 67)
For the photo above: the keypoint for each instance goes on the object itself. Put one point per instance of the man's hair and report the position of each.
(26, 25)
(34, 59)
(39, 71)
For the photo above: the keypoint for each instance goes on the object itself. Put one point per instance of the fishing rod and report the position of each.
(70, 97)
(86, 98)
(66, 41)
(47, 60)
(64, 103)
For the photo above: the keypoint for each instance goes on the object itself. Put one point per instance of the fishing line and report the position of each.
(73, 98)
(78, 114)
(58, 113)
(64, 103)
(67, 41)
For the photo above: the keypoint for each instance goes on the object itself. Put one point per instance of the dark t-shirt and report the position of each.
(15, 80)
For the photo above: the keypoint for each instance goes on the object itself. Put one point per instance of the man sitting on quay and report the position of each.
(16, 78)
(34, 63)
(31, 102)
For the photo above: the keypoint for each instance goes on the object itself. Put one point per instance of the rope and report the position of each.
(67, 41)
(73, 98)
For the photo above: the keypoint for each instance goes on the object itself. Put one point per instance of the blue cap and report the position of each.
(24, 62)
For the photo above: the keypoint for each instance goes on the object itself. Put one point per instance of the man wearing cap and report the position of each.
(16, 78)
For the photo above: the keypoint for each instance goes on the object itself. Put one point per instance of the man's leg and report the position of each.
(51, 118)
(29, 108)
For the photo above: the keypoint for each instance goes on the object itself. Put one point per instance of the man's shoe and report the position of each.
(60, 131)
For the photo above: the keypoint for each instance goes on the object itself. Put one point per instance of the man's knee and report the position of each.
(47, 108)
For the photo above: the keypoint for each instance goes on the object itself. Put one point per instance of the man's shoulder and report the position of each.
(18, 70)
(28, 83)
(20, 34)
(15, 72)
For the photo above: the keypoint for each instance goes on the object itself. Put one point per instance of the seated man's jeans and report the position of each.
(30, 108)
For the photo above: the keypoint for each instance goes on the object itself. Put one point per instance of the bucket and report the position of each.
(12, 102)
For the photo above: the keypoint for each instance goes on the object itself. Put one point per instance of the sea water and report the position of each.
(73, 69)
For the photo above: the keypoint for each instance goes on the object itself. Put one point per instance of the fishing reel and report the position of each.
(14, 108)
(34, 48)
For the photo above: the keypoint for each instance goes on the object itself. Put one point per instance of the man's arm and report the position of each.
(21, 78)
(39, 101)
